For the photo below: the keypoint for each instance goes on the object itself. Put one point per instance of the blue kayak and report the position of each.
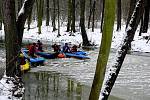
(34, 61)
(80, 53)
(79, 56)
(46, 55)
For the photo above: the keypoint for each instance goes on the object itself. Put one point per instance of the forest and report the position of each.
(127, 18)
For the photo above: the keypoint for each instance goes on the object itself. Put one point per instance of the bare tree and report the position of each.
(0, 14)
(118, 15)
(82, 23)
(93, 12)
(14, 31)
(54, 16)
(104, 49)
(47, 13)
(121, 53)
(58, 11)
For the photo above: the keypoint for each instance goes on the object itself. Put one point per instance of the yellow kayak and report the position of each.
(26, 66)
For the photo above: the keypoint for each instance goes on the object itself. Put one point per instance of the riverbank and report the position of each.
(47, 36)
(140, 44)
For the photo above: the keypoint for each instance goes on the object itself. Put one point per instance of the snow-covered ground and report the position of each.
(139, 44)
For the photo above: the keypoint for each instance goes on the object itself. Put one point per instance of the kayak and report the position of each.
(26, 66)
(34, 61)
(46, 55)
(80, 53)
(79, 56)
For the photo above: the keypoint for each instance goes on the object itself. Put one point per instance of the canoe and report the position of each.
(77, 56)
(46, 55)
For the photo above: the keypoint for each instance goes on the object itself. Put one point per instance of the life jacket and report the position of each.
(39, 45)
(66, 49)
(32, 49)
(22, 60)
(61, 55)
(56, 48)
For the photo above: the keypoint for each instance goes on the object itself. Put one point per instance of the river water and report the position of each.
(71, 79)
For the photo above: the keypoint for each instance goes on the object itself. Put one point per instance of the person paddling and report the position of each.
(39, 46)
(66, 48)
(56, 50)
(74, 48)
(32, 50)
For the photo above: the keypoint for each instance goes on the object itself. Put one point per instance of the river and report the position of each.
(71, 79)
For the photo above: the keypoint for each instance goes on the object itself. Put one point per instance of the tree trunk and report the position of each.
(130, 31)
(93, 11)
(118, 15)
(104, 49)
(102, 18)
(90, 14)
(1, 15)
(14, 31)
(146, 16)
(29, 20)
(54, 16)
(47, 13)
(19, 4)
(82, 24)
(69, 15)
(73, 17)
(132, 6)
(40, 4)
(58, 11)
(141, 26)
(22, 16)
(10, 35)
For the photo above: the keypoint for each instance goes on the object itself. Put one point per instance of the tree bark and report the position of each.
(118, 15)
(132, 6)
(93, 12)
(1, 15)
(130, 31)
(22, 16)
(82, 24)
(146, 16)
(104, 49)
(29, 20)
(73, 17)
(40, 4)
(69, 15)
(58, 18)
(141, 26)
(102, 18)
(54, 16)
(10, 35)
(47, 13)
(90, 14)
(14, 31)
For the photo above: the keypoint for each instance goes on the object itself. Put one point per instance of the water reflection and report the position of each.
(52, 86)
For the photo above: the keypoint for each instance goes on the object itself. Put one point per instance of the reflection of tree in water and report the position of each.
(42, 86)
(52, 86)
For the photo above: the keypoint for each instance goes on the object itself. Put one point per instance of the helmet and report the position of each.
(21, 55)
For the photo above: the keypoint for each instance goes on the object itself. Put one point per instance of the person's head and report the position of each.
(74, 46)
(38, 41)
(21, 55)
(34, 44)
(66, 44)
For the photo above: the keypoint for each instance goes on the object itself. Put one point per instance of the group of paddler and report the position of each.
(38, 47)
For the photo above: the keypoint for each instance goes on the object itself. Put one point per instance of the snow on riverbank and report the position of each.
(9, 87)
(139, 44)
(47, 36)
